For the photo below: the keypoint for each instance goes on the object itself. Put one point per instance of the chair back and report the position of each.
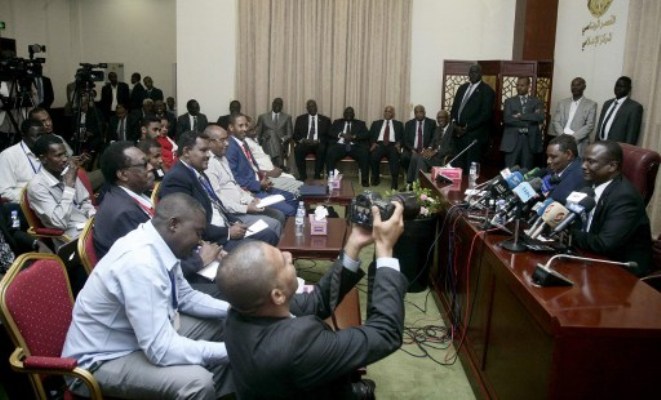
(86, 247)
(154, 194)
(36, 227)
(85, 180)
(640, 167)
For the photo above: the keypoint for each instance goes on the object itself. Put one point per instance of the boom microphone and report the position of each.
(449, 163)
(544, 276)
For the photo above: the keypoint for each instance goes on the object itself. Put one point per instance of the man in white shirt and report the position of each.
(42, 115)
(620, 117)
(18, 163)
(139, 327)
(575, 116)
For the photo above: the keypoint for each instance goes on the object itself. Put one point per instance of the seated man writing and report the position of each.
(278, 343)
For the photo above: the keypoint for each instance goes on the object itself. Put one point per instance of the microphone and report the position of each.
(536, 220)
(552, 216)
(448, 165)
(502, 175)
(544, 276)
(578, 203)
(534, 173)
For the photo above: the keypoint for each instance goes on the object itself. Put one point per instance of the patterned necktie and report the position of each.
(249, 155)
(603, 135)
(386, 133)
(204, 181)
(313, 129)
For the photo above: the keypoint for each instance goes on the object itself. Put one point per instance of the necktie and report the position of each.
(249, 156)
(204, 181)
(524, 101)
(313, 129)
(603, 135)
(194, 124)
(347, 142)
(467, 95)
(386, 134)
(419, 146)
(275, 119)
(122, 129)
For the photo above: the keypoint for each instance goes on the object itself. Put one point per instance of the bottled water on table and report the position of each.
(300, 218)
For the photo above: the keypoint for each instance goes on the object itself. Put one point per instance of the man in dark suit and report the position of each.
(188, 176)
(247, 172)
(418, 133)
(274, 131)
(150, 91)
(311, 136)
(471, 114)
(564, 166)
(125, 205)
(617, 227)
(437, 152)
(224, 120)
(522, 116)
(44, 91)
(620, 117)
(278, 343)
(386, 141)
(137, 92)
(349, 137)
(193, 120)
(112, 94)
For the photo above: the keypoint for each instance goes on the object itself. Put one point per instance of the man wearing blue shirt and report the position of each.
(139, 327)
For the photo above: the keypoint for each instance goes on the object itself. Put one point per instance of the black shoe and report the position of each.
(365, 183)
(376, 182)
(363, 389)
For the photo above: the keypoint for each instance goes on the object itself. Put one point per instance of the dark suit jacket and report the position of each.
(154, 94)
(358, 129)
(302, 358)
(183, 123)
(241, 167)
(530, 119)
(301, 128)
(620, 229)
(571, 180)
(477, 112)
(224, 121)
(137, 95)
(122, 97)
(395, 137)
(181, 179)
(49, 96)
(626, 123)
(444, 143)
(410, 132)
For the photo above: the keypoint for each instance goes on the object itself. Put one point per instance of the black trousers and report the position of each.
(392, 154)
(304, 148)
(357, 152)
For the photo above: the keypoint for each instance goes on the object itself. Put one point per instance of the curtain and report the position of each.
(642, 62)
(339, 52)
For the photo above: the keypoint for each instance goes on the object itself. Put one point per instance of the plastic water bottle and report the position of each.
(472, 174)
(330, 181)
(15, 222)
(300, 219)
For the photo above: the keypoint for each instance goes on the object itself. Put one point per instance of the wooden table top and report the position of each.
(317, 247)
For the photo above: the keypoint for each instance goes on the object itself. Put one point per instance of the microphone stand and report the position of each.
(514, 245)
(544, 276)
(448, 165)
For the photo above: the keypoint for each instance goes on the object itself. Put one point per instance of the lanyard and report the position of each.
(35, 170)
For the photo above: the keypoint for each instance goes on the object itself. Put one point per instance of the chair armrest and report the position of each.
(49, 231)
(58, 363)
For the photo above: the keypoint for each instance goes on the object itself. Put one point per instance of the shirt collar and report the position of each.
(197, 174)
(599, 190)
(240, 143)
(52, 180)
(26, 149)
(168, 259)
(146, 201)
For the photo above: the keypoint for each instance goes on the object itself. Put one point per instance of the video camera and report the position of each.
(360, 210)
(21, 68)
(87, 74)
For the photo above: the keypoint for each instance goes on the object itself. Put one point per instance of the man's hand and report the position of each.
(386, 233)
(209, 252)
(69, 177)
(265, 183)
(372, 147)
(274, 173)
(252, 207)
(358, 238)
(238, 231)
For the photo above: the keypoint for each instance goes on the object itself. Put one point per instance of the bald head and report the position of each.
(176, 205)
(181, 222)
(246, 278)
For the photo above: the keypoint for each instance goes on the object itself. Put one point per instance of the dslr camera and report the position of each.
(360, 210)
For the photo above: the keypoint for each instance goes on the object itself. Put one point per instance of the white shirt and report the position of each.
(313, 120)
(140, 198)
(347, 128)
(235, 199)
(391, 134)
(113, 105)
(617, 104)
(572, 112)
(420, 125)
(216, 218)
(127, 305)
(598, 191)
(18, 165)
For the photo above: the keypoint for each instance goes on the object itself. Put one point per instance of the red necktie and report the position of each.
(249, 155)
(386, 133)
(419, 146)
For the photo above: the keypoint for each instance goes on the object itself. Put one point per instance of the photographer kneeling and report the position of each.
(278, 345)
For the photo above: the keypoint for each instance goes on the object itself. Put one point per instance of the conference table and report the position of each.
(341, 196)
(325, 247)
(600, 338)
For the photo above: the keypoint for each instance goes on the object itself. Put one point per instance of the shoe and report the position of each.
(365, 184)
(376, 182)
(363, 389)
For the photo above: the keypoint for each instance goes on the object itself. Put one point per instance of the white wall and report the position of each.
(599, 65)
(140, 34)
(442, 31)
(206, 52)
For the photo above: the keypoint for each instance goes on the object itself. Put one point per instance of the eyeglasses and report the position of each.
(218, 140)
(143, 165)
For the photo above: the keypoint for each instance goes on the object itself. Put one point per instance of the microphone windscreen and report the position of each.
(536, 184)
(544, 206)
(554, 214)
(587, 203)
(514, 179)
(632, 264)
(588, 190)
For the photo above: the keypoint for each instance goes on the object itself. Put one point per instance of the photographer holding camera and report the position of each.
(278, 345)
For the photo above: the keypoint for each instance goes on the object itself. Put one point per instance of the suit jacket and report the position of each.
(583, 122)
(477, 112)
(531, 117)
(301, 128)
(358, 129)
(570, 180)
(224, 121)
(47, 88)
(302, 358)
(241, 167)
(181, 179)
(137, 95)
(273, 136)
(444, 143)
(154, 94)
(122, 97)
(626, 122)
(410, 133)
(183, 123)
(395, 137)
(620, 229)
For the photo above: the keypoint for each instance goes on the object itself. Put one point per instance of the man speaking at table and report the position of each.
(279, 346)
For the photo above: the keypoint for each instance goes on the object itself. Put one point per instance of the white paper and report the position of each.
(210, 270)
(258, 226)
(269, 200)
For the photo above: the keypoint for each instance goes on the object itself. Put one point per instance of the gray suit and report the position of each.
(274, 136)
(626, 122)
(582, 124)
(522, 137)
